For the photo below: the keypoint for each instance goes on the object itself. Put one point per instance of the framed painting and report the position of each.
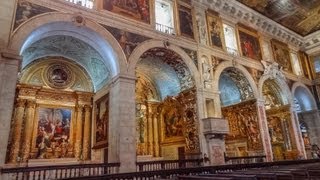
(215, 29)
(136, 9)
(101, 122)
(249, 43)
(53, 134)
(185, 21)
(304, 64)
(281, 55)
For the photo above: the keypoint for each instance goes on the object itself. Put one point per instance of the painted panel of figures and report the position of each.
(215, 30)
(101, 122)
(250, 45)
(53, 132)
(185, 18)
(281, 55)
(136, 9)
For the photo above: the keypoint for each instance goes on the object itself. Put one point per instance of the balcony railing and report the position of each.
(168, 164)
(61, 171)
(164, 28)
(85, 3)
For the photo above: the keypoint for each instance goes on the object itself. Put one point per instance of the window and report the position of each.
(317, 64)
(85, 3)
(230, 39)
(164, 16)
(296, 64)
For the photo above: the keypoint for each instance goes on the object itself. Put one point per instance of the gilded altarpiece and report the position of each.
(281, 133)
(244, 138)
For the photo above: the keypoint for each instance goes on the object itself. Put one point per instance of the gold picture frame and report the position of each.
(249, 43)
(281, 54)
(215, 29)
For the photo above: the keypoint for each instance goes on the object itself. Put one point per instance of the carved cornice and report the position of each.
(248, 16)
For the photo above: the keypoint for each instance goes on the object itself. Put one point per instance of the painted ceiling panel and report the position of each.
(71, 48)
(301, 16)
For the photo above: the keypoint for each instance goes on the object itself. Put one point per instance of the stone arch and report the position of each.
(145, 46)
(40, 26)
(308, 101)
(226, 64)
(286, 96)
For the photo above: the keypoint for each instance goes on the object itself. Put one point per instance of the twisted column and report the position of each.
(86, 132)
(16, 130)
(78, 143)
(30, 111)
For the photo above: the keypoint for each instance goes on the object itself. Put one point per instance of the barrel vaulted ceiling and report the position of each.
(300, 16)
(71, 48)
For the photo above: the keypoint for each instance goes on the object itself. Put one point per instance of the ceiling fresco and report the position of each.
(301, 16)
(71, 48)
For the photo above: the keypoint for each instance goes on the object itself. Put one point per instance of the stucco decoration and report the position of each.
(127, 40)
(272, 94)
(234, 87)
(193, 55)
(71, 48)
(26, 10)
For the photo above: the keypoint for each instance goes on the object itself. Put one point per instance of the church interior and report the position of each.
(134, 82)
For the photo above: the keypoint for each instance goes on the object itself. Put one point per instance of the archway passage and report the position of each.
(279, 121)
(240, 109)
(166, 107)
(308, 116)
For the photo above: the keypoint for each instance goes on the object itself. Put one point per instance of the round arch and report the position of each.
(308, 100)
(286, 96)
(56, 23)
(222, 66)
(149, 44)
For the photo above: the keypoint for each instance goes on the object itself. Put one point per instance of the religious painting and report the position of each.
(296, 64)
(281, 55)
(136, 9)
(215, 29)
(59, 76)
(249, 43)
(53, 132)
(101, 122)
(185, 19)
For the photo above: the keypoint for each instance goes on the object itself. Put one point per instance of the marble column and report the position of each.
(86, 132)
(28, 127)
(16, 130)
(122, 124)
(78, 142)
(263, 126)
(156, 147)
(150, 131)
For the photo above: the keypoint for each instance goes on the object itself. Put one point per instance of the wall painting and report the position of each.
(186, 23)
(281, 54)
(249, 43)
(101, 122)
(53, 132)
(136, 9)
(215, 29)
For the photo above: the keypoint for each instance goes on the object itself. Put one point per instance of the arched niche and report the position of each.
(281, 125)
(166, 105)
(240, 109)
(308, 116)
(56, 23)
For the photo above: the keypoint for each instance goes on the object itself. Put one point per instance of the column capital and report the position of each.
(79, 107)
(31, 103)
(20, 102)
(87, 107)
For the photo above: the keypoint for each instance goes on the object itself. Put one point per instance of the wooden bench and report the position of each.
(202, 177)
